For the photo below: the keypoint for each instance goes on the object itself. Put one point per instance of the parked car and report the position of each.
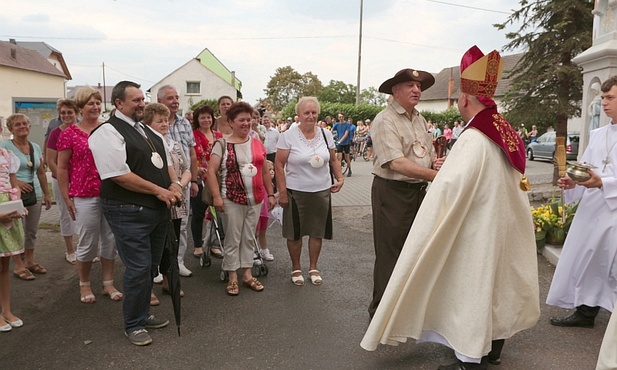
(544, 147)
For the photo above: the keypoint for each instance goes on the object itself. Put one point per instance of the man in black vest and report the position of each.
(136, 192)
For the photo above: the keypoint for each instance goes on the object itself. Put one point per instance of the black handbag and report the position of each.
(29, 199)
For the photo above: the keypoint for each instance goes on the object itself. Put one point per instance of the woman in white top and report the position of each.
(305, 162)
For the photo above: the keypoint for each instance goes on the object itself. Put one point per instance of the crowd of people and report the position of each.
(120, 186)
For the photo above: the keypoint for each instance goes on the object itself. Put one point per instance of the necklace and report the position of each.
(607, 160)
(24, 152)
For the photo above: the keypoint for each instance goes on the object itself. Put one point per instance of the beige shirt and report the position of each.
(396, 134)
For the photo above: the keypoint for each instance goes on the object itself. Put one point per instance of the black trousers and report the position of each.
(395, 205)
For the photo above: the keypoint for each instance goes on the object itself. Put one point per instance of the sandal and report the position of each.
(115, 295)
(297, 280)
(254, 284)
(315, 277)
(88, 298)
(198, 252)
(232, 288)
(25, 274)
(70, 257)
(154, 301)
(37, 269)
(216, 252)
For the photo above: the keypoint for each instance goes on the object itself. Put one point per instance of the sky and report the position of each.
(144, 41)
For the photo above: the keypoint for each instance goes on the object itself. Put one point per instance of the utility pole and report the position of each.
(359, 55)
(104, 90)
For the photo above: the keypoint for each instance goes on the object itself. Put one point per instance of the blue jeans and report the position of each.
(140, 236)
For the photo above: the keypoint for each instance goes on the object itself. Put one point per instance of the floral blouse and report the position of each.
(203, 148)
(83, 175)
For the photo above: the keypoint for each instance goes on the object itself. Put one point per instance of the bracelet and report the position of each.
(179, 184)
(271, 195)
(194, 182)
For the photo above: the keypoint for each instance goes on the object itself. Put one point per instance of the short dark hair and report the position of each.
(608, 84)
(237, 108)
(202, 109)
(119, 91)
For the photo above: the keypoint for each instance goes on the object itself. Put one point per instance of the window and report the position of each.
(193, 87)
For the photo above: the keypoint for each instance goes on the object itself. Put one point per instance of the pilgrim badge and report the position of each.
(156, 160)
(316, 161)
(248, 170)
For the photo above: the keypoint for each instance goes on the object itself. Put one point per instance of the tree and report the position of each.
(287, 85)
(372, 96)
(338, 92)
(546, 87)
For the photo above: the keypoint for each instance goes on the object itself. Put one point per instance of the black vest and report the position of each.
(138, 154)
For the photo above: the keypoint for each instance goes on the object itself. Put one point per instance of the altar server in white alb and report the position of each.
(586, 275)
(467, 276)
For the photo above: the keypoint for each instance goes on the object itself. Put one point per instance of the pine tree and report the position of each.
(546, 86)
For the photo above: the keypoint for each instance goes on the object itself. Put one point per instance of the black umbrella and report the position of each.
(169, 267)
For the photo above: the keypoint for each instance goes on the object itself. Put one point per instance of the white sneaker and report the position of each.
(265, 254)
(158, 279)
(184, 271)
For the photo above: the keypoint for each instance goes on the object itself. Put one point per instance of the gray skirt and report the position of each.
(308, 214)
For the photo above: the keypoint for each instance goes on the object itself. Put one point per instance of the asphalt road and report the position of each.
(284, 327)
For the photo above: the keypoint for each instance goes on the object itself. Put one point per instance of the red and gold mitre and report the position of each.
(480, 74)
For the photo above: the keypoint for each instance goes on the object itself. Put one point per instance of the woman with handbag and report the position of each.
(305, 162)
(32, 182)
(244, 175)
(205, 136)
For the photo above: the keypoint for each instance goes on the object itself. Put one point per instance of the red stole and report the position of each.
(498, 130)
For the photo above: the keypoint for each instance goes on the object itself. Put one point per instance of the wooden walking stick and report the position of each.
(560, 162)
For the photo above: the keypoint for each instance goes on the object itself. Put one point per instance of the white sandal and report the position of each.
(315, 278)
(70, 257)
(297, 280)
(115, 296)
(88, 298)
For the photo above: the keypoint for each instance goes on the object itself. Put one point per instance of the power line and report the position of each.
(469, 7)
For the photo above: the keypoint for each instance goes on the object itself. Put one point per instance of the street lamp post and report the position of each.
(359, 54)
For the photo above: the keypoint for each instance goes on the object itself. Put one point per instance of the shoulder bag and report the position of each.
(29, 199)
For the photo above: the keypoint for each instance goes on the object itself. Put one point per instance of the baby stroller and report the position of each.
(213, 236)
(259, 266)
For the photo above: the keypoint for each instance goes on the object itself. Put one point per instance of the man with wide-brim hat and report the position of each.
(467, 276)
(403, 164)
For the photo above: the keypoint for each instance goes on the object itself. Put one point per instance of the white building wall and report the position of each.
(22, 85)
(211, 85)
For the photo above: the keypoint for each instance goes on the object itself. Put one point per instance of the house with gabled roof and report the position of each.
(201, 78)
(31, 84)
(445, 92)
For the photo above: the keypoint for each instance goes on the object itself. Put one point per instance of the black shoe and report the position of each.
(153, 322)
(574, 320)
(494, 356)
(460, 365)
(349, 173)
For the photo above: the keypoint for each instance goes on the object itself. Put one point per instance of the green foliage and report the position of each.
(447, 116)
(372, 96)
(210, 102)
(338, 92)
(287, 85)
(546, 87)
(360, 112)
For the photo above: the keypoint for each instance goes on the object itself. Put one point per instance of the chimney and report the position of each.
(233, 79)
(12, 41)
